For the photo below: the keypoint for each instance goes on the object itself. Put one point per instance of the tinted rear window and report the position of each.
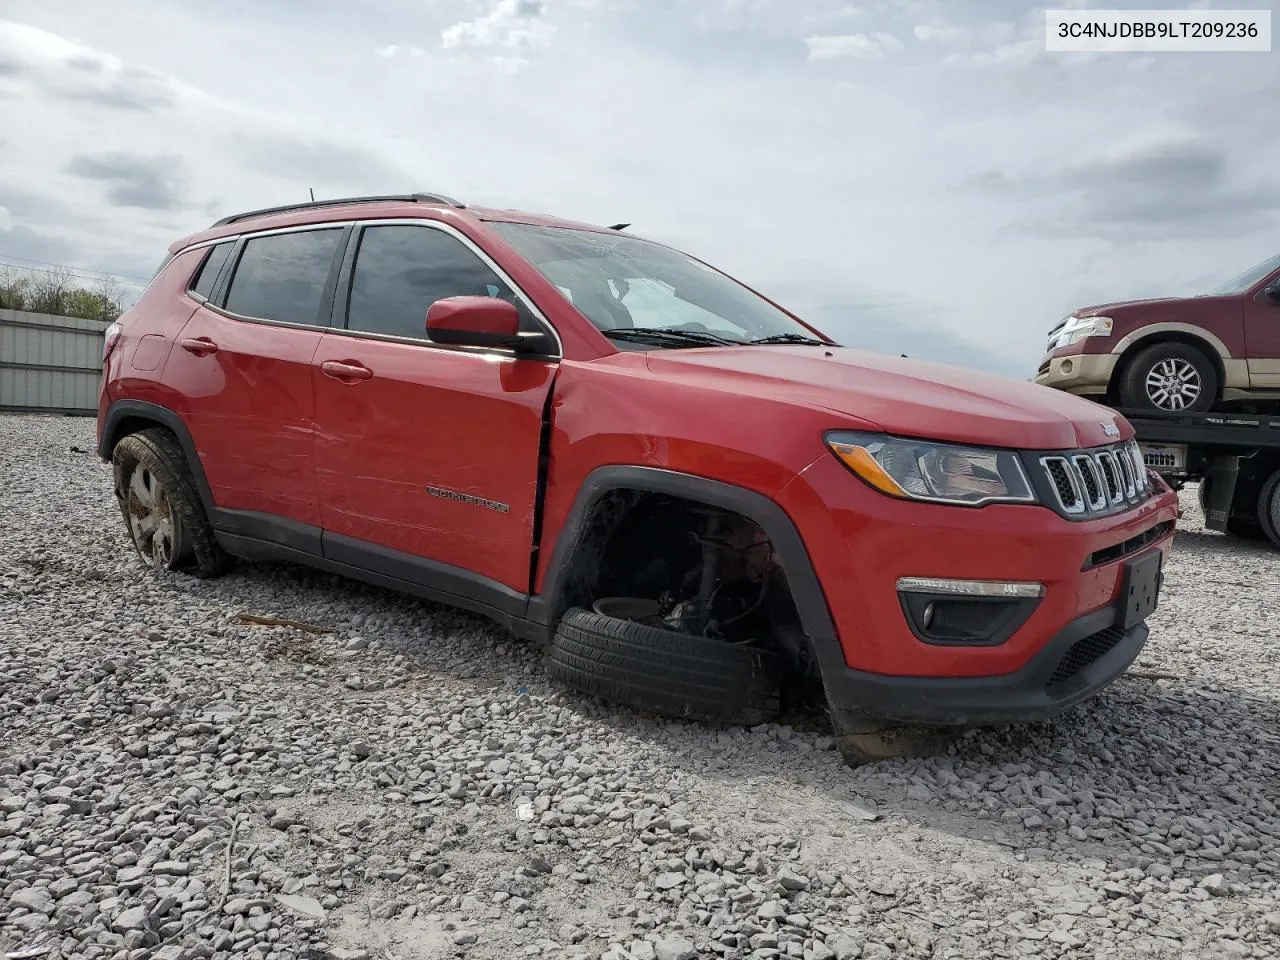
(282, 277)
(209, 271)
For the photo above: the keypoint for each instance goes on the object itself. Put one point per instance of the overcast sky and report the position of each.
(917, 176)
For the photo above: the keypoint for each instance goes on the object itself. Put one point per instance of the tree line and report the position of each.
(59, 292)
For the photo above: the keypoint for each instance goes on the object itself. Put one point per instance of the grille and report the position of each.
(1097, 481)
(1080, 655)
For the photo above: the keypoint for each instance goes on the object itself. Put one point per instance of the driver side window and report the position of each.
(400, 270)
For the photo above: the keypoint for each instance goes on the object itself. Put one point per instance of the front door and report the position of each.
(1262, 338)
(426, 455)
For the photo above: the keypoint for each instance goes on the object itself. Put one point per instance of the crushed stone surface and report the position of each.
(175, 782)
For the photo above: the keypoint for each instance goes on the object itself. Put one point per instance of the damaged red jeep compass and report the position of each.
(695, 500)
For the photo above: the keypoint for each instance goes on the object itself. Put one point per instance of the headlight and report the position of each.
(937, 472)
(1078, 328)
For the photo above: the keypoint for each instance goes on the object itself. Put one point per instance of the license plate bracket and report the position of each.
(1140, 589)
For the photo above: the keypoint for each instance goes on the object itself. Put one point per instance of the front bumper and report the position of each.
(1082, 373)
(1083, 659)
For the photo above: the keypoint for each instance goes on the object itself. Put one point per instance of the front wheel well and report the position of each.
(711, 571)
(1171, 336)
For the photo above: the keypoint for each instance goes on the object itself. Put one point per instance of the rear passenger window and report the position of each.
(401, 270)
(208, 273)
(281, 277)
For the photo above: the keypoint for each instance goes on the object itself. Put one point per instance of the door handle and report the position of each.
(200, 346)
(348, 371)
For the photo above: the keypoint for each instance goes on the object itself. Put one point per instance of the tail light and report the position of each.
(110, 337)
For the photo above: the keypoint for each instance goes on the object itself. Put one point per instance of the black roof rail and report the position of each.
(314, 204)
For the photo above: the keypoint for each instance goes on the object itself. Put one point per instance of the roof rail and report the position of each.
(314, 204)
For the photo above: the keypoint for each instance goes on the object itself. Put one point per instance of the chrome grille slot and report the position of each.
(1066, 484)
(1126, 473)
(1097, 481)
(1110, 475)
(1092, 479)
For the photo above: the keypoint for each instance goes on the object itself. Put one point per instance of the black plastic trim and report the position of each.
(292, 534)
(1129, 547)
(121, 410)
(546, 608)
(858, 697)
(1016, 611)
(466, 589)
(254, 549)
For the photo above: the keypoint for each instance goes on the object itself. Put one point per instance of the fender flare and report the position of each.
(806, 590)
(122, 410)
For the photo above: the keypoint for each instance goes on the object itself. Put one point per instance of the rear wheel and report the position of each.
(161, 508)
(1170, 377)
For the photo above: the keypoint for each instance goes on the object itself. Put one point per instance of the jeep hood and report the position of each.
(911, 398)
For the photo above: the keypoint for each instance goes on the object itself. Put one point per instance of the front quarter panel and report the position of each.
(613, 412)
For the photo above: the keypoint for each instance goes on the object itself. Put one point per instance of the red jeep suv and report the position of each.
(1175, 355)
(697, 502)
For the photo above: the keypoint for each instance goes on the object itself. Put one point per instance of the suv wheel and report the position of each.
(161, 508)
(1171, 378)
(664, 671)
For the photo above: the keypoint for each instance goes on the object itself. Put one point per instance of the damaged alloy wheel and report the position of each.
(161, 508)
(666, 672)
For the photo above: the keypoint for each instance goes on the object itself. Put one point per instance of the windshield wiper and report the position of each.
(664, 335)
(790, 338)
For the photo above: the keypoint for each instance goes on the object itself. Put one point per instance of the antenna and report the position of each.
(311, 190)
(619, 226)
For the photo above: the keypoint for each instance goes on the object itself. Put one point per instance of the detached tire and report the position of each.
(1170, 377)
(673, 674)
(161, 509)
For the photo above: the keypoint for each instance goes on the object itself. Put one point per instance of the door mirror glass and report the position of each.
(1272, 291)
(474, 322)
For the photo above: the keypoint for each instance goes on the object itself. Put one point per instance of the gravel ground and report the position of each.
(175, 782)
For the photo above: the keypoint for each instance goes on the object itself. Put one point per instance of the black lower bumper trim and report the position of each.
(1081, 660)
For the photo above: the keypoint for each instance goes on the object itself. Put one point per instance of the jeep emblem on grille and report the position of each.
(1109, 429)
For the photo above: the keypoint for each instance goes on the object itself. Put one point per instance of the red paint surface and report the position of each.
(349, 433)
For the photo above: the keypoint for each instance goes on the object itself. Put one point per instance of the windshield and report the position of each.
(627, 286)
(1238, 285)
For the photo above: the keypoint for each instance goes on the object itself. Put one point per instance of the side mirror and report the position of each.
(1272, 292)
(474, 322)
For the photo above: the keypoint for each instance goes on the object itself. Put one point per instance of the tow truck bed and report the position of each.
(1236, 456)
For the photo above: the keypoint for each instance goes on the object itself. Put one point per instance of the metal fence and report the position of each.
(49, 364)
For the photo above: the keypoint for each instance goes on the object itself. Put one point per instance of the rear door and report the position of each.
(426, 454)
(244, 364)
(1262, 337)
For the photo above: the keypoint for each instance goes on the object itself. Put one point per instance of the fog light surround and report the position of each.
(1007, 589)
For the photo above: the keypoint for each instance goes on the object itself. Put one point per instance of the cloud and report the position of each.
(307, 159)
(941, 33)
(393, 50)
(75, 73)
(861, 46)
(510, 23)
(152, 183)
(1159, 191)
